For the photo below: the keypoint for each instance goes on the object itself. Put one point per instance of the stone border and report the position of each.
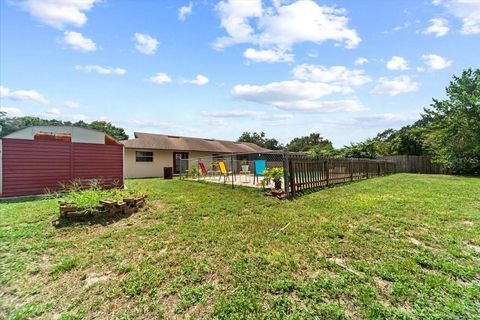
(105, 209)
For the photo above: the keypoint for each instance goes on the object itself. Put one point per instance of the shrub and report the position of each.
(275, 174)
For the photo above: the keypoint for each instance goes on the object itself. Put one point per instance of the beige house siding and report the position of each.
(161, 159)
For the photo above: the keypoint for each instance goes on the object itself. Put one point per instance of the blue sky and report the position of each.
(346, 69)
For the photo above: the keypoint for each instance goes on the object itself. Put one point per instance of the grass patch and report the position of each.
(65, 264)
(398, 247)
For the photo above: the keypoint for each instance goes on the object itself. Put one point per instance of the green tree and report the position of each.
(306, 143)
(108, 128)
(453, 124)
(322, 151)
(261, 140)
(409, 140)
(366, 149)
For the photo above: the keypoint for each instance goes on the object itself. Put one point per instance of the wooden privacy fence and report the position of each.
(307, 173)
(415, 164)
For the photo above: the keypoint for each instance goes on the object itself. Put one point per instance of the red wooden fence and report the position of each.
(32, 167)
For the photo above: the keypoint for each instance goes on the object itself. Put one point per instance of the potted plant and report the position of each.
(275, 174)
(245, 166)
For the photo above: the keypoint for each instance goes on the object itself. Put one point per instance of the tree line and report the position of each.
(448, 130)
(9, 125)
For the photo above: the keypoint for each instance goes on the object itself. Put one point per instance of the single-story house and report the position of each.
(148, 154)
(40, 158)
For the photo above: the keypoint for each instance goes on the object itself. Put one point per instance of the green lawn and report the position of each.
(402, 246)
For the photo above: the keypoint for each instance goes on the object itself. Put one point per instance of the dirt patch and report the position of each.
(94, 278)
(384, 285)
(155, 205)
(416, 242)
(474, 247)
(468, 223)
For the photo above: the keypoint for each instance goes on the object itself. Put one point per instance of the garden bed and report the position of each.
(104, 208)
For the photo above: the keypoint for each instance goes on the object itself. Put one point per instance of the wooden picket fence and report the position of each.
(416, 164)
(307, 173)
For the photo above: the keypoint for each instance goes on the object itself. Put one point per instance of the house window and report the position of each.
(144, 156)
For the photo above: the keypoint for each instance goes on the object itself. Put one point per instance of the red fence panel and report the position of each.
(98, 161)
(32, 167)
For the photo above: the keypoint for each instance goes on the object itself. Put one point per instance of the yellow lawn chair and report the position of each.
(224, 172)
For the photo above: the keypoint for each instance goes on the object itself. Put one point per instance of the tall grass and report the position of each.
(87, 198)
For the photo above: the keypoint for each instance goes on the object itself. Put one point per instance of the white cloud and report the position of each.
(283, 25)
(58, 13)
(361, 61)
(78, 42)
(22, 95)
(340, 75)
(12, 112)
(145, 43)
(322, 106)
(161, 78)
(395, 86)
(200, 80)
(291, 90)
(101, 70)
(254, 115)
(397, 63)
(466, 10)
(436, 62)
(54, 111)
(420, 69)
(297, 96)
(438, 27)
(405, 25)
(235, 17)
(71, 104)
(268, 55)
(184, 11)
(388, 117)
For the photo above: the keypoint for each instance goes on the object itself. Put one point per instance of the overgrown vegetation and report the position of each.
(87, 198)
(397, 247)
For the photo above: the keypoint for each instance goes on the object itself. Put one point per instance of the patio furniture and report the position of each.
(224, 172)
(259, 167)
(203, 170)
(247, 175)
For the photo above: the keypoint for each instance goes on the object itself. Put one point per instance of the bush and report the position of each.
(275, 174)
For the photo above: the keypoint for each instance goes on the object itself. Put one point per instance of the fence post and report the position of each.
(286, 171)
(351, 169)
(367, 166)
(292, 178)
(327, 172)
(233, 171)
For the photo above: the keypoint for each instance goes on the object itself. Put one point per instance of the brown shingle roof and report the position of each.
(177, 143)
